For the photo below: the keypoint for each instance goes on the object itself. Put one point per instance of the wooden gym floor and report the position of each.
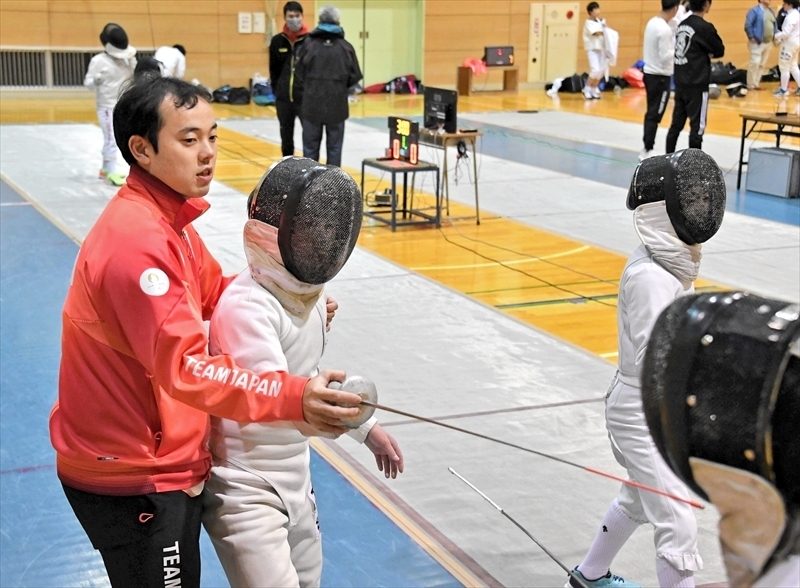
(533, 275)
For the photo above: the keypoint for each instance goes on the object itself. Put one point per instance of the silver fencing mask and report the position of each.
(317, 210)
(693, 187)
(721, 394)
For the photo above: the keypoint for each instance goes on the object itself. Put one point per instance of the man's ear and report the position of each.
(141, 149)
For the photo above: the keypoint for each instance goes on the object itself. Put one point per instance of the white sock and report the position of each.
(110, 166)
(669, 577)
(612, 535)
(785, 80)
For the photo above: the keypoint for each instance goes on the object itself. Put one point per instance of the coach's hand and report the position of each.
(318, 403)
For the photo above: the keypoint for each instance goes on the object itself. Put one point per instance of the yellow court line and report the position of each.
(495, 263)
(452, 565)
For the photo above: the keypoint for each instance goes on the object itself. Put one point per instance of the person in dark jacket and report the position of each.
(696, 42)
(326, 67)
(282, 58)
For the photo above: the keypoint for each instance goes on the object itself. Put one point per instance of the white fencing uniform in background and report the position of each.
(107, 75)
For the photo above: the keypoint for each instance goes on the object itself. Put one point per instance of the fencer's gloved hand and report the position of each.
(387, 452)
(320, 408)
(331, 306)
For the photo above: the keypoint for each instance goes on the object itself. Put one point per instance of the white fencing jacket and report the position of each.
(107, 74)
(252, 326)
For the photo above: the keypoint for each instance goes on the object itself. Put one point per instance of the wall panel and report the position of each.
(453, 30)
(449, 39)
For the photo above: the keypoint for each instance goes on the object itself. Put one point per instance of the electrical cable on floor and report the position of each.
(578, 297)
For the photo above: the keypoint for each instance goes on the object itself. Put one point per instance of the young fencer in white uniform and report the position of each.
(678, 202)
(260, 508)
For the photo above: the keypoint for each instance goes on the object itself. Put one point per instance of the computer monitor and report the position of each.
(440, 109)
(499, 56)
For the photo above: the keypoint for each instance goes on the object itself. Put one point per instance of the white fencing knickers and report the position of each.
(597, 64)
(105, 115)
(249, 527)
(675, 525)
(787, 62)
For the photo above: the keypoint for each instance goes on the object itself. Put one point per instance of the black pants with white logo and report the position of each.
(146, 541)
(691, 103)
(657, 88)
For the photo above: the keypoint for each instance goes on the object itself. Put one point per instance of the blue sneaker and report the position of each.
(607, 581)
(779, 93)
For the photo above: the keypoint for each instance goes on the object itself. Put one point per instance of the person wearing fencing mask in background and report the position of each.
(678, 202)
(721, 394)
(107, 73)
(260, 508)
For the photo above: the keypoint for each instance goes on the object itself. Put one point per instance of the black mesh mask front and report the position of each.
(721, 382)
(317, 210)
(693, 187)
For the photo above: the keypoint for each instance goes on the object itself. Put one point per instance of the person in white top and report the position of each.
(173, 60)
(683, 12)
(106, 74)
(260, 507)
(660, 270)
(594, 44)
(659, 64)
(789, 38)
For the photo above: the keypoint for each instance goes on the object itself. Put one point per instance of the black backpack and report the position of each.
(239, 96)
(573, 83)
(221, 94)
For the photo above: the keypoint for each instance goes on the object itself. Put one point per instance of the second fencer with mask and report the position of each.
(721, 393)
(260, 508)
(678, 202)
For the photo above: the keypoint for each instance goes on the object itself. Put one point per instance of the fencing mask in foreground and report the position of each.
(317, 210)
(693, 187)
(721, 395)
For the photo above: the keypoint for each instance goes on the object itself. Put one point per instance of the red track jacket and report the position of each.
(136, 382)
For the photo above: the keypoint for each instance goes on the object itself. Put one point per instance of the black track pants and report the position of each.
(657, 97)
(146, 541)
(691, 103)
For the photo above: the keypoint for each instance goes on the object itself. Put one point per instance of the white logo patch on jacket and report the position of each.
(154, 282)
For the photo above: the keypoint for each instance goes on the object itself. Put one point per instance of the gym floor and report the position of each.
(506, 328)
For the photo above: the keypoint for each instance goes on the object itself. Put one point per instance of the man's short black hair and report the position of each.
(591, 6)
(180, 48)
(793, 3)
(667, 5)
(292, 7)
(698, 5)
(138, 111)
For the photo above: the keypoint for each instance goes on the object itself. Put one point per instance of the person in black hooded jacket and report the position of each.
(283, 50)
(696, 42)
(326, 67)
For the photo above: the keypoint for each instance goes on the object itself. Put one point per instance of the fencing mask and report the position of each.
(693, 187)
(721, 395)
(115, 41)
(317, 210)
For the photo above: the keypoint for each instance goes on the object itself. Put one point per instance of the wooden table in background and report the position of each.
(443, 141)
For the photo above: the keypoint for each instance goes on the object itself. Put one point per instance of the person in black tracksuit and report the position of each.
(696, 43)
(325, 69)
(282, 58)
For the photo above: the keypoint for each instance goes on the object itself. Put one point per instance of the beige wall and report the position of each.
(217, 53)
(455, 29)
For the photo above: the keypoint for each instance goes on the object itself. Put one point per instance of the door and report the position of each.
(387, 37)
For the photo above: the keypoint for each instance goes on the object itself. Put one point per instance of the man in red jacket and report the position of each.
(136, 382)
